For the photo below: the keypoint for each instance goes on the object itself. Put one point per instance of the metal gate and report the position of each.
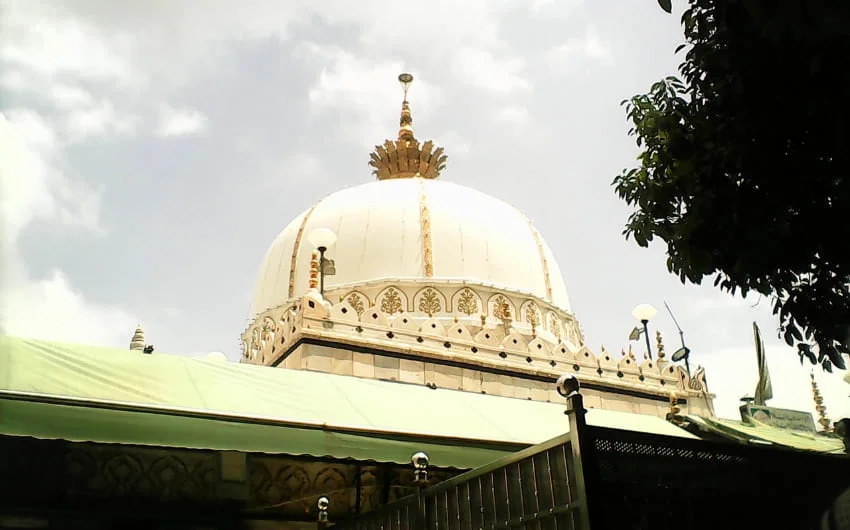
(531, 490)
(614, 479)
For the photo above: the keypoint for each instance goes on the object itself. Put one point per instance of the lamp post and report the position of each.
(321, 239)
(645, 313)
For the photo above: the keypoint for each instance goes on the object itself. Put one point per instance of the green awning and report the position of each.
(84, 393)
(747, 432)
(86, 423)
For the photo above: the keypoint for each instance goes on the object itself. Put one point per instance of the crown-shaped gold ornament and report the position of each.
(405, 157)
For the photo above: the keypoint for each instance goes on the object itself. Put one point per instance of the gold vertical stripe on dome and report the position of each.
(543, 260)
(294, 262)
(425, 227)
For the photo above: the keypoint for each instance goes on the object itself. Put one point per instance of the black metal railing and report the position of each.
(603, 478)
(531, 490)
(648, 481)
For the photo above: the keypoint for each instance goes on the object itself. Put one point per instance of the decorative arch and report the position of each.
(430, 301)
(358, 301)
(268, 331)
(530, 314)
(391, 300)
(498, 304)
(467, 302)
(553, 324)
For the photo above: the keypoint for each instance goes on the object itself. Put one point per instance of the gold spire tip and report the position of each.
(405, 80)
(405, 157)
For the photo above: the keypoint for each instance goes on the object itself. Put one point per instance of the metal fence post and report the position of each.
(568, 387)
(322, 520)
(420, 463)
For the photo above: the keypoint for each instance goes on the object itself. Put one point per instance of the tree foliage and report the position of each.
(745, 165)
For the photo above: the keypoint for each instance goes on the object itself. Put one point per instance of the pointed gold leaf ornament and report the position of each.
(404, 157)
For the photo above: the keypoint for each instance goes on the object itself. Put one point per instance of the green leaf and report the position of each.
(666, 5)
(719, 171)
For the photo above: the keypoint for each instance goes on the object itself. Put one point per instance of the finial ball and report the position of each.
(567, 385)
(420, 460)
(323, 503)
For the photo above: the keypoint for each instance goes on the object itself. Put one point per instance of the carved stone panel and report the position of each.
(466, 302)
(429, 301)
(391, 301)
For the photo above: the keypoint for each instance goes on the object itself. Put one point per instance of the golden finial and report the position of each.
(483, 320)
(314, 271)
(823, 419)
(405, 123)
(405, 158)
(660, 345)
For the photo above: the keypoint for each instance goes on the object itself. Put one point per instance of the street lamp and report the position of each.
(321, 239)
(645, 313)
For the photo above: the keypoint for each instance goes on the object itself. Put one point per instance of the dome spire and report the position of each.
(405, 158)
(405, 131)
(138, 340)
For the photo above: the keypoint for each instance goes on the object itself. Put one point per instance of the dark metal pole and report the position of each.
(358, 489)
(681, 338)
(420, 478)
(568, 386)
(646, 335)
(322, 270)
(322, 519)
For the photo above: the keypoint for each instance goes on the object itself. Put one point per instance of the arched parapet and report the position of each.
(375, 316)
(344, 312)
(432, 327)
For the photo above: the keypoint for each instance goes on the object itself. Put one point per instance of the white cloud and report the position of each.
(483, 69)
(590, 47)
(514, 114)
(732, 373)
(99, 119)
(458, 144)
(66, 96)
(33, 187)
(300, 167)
(347, 85)
(554, 7)
(51, 309)
(52, 47)
(32, 184)
(180, 122)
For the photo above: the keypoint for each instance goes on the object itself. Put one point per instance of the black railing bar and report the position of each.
(563, 439)
(539, 516)
(433, 495)
(731, 448)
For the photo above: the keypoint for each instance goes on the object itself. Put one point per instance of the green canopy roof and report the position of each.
(767, 434)
(85, 393)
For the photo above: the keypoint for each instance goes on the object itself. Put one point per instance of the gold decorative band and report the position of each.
(298, 237)
(425, 225)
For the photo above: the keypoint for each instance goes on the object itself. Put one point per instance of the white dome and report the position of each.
(474, 237)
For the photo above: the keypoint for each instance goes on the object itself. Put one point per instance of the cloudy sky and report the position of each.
(150, 152)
